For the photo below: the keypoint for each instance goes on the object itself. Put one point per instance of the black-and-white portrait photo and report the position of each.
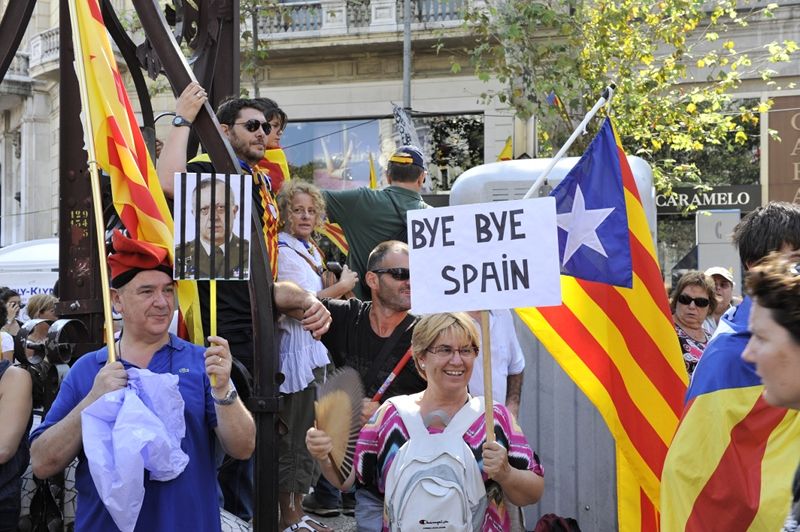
(211, 222)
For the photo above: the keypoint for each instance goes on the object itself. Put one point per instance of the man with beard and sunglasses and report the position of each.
(243, 123)
(372, 337)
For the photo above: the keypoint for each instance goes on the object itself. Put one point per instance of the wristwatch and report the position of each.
(180, 121)
(229, 398)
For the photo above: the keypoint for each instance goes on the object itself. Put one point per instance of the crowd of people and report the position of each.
(359, 318)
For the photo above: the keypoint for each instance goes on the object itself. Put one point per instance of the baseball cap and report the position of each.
(722, 272)
(408, 155)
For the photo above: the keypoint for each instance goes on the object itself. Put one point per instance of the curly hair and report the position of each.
(694, 278)
(774, 283)
(287, 194)
(428, 329)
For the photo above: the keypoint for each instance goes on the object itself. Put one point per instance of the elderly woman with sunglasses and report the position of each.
(691, 302)
(444, 348)
(774, 346)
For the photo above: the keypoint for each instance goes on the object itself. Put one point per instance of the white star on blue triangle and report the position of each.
(593, 234)
(581, 226)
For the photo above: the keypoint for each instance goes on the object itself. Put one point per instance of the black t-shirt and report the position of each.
(352, 342)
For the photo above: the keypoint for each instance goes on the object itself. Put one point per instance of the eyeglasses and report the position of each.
(445, 351)
(252, 125)
(700, 302)
(219, 208)
(299, 211)
(398, 274)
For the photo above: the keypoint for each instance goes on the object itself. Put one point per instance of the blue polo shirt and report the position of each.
(188, 502)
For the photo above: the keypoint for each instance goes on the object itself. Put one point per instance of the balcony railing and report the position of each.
(293, 18)
(311, 18)
(16, 83)
(427, 11)
(44, 48)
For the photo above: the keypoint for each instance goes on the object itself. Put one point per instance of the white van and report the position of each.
(30, 268)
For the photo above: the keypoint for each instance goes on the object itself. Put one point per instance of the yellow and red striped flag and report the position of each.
(335, 234)
(121, 151)
(613, 333)
(276, 166)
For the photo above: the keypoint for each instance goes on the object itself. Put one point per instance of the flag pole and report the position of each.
(486, 348)
(94, 175)
(608, 93)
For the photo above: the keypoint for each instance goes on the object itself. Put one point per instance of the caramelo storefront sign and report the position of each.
(742, 197)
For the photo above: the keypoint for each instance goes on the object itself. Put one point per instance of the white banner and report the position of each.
(484, 256)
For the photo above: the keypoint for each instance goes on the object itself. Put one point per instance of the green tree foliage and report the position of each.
(674, 63)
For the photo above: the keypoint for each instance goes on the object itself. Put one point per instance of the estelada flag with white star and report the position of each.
(613, 333)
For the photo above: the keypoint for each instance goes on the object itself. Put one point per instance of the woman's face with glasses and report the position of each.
(303, 216)
(448, 362)
(692, 305)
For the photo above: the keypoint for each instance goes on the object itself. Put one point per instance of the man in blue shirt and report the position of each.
(143, 292)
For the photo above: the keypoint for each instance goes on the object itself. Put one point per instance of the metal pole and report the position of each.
(254, 61)
(604, 99)
(407, 55)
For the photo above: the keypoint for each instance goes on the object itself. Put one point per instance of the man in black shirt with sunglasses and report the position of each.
(372, 337)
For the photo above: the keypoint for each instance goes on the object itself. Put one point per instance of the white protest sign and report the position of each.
(484, 256)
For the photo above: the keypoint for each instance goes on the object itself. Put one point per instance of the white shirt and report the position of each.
(8, 342)
(300, 353)
(507, 357)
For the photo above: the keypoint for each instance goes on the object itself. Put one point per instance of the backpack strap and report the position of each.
(407, 407)
(464, 418)
(409, 411)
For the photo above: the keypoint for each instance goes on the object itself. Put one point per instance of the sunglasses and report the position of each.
(700, 302)
(398, 274)
(252, 125)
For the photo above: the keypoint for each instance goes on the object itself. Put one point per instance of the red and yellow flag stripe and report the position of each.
(121, 152)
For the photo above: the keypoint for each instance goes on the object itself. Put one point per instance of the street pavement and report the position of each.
(341, 523)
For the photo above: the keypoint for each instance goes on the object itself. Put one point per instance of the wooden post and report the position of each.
(486, 349)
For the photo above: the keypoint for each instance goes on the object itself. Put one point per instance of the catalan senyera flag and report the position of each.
(276, 166)
(613, 334)
(731, 463)
(120, 150)
(335, 234)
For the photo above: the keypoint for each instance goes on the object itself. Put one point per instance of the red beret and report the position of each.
(133, 256)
